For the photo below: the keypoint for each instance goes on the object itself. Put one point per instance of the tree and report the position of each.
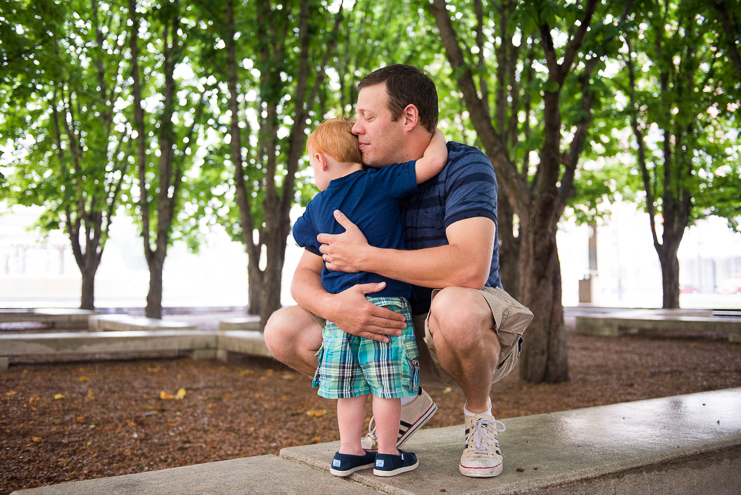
(566, 85)
(63, 91)
(172, 129)
(675, 84)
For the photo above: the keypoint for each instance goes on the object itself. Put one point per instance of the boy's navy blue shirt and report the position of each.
(369, 199)
(466, 188)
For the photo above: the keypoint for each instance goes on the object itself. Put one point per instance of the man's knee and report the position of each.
(289, 329)
(461, 317)
(281, 329)
(275, 328)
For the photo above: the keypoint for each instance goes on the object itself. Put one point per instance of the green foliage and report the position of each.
(49, 70)
(58, 99)
(684, 101)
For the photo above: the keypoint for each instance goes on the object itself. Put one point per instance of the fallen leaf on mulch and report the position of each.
(58, 396)
(36, 439)
(180, 395)
(12, 392)
(84, 379)
(315, 413)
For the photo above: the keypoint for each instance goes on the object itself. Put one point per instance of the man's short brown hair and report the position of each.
(407, 85)
(334, 137)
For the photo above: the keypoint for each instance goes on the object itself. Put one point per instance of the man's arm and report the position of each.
(349, 310)
(434, 159)
(464, 262)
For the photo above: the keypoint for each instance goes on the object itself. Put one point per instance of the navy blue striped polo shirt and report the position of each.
(466, 188)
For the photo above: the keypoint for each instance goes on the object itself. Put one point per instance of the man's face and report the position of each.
(381, 139)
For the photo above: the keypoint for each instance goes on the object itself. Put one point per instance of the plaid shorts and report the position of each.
(351, 366)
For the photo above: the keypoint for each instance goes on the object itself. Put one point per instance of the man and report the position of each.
(450, 230)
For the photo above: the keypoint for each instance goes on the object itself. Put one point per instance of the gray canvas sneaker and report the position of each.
(482, 457)
(413, 416)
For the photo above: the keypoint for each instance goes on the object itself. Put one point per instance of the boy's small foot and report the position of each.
(391, 465)
(346, 464)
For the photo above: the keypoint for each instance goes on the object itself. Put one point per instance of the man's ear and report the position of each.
(411, 117)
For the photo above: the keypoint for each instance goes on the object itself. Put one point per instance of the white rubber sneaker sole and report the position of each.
(350, 471)
(397, 471)
(481, 472)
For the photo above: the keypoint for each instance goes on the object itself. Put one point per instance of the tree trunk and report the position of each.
(670, 280)
(509, 247)
(278, 200)
(544, 357)
(87, 300)
(254, 286)
(270, 287)
(154, 297)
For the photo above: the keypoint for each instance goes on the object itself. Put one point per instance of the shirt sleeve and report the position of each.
(471, 188)
(304, 231)
(398, 180)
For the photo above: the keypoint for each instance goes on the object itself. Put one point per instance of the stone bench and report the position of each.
(683, 444)
(613, 325)
(123, 323)
(202, 345)
(243, 323)
(60, 318)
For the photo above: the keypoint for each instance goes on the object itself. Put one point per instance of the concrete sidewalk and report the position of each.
(683, 444)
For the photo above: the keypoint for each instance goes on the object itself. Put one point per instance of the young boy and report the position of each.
(351, 367)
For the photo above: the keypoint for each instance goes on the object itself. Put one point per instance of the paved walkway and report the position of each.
(683, 444)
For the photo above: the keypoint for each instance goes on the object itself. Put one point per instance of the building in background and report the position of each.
(619, 261)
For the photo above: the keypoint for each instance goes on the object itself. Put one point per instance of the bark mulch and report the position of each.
(83, 420)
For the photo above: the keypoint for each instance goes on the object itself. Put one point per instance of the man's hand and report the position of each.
(354, 314)
(343, 252)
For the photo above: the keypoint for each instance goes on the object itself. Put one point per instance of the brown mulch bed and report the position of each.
(83, 420)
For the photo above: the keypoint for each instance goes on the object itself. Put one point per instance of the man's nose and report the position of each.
(357, 128)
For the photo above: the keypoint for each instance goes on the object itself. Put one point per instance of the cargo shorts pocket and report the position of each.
(317, 374)
(410, 365)
(511, 319)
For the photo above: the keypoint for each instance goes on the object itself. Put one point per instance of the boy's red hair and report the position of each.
(334, 137)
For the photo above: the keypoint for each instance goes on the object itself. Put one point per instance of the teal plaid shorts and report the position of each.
(351, 366)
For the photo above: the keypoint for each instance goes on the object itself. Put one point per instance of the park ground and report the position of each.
(83, 420)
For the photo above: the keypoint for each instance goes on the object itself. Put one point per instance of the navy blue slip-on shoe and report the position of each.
(346, 464)
(391, 465)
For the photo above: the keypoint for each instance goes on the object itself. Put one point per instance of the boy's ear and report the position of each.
(322, 159)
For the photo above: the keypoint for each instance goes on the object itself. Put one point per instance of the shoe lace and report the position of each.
(372, 429)
(483, 435)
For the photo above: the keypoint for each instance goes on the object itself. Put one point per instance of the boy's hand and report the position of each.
(343, 252)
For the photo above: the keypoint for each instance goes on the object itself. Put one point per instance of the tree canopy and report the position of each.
(188, 113)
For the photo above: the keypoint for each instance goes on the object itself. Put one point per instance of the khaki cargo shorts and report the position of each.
(510, 321)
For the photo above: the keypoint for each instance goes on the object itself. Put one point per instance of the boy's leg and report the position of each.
(387, 414)
(350, 416)
(389, 460)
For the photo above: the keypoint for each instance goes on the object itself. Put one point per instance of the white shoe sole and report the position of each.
(481, 472)
(350, 471)
(405, 469)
